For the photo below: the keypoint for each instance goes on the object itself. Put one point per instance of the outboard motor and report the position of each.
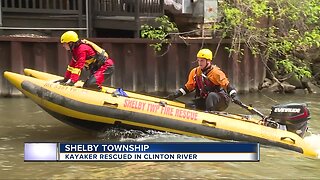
(293, 116)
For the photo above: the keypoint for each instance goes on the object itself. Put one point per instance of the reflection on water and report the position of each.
(23, 121)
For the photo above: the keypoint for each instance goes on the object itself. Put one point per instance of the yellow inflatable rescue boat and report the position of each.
(97, 110)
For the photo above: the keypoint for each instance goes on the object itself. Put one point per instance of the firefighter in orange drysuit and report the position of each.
(213, 90)
(89, 55)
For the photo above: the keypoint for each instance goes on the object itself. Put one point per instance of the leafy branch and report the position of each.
(160, 33)
(282, 31)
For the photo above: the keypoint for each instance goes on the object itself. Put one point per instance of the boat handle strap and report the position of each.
(284, 138)
(209, 123)
(112, 105)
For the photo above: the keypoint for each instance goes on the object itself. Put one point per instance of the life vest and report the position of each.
(203, 85)
(100, 57)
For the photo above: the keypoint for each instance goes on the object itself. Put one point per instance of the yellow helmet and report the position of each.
(205, 53)
(69, 36)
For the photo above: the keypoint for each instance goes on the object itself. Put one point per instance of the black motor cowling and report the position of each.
(294, 116)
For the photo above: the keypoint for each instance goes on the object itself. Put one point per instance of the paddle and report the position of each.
(249, 108)
(265, 120)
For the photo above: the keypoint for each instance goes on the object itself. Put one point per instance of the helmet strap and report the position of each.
(72, 45)
(204, 68)
(207, 65)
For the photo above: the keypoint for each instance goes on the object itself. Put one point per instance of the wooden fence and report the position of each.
(138, 67)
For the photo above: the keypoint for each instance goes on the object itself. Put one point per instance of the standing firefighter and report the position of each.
(89, 55)
(213, 90)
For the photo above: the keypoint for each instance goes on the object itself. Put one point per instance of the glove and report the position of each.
(234, 97)
(68, 83)
(61, 81)
(174, 95)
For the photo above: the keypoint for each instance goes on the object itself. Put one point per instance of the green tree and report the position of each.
(283, 32)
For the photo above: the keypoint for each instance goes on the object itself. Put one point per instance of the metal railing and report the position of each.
(76, 10)
(42, 6)
(129, 7)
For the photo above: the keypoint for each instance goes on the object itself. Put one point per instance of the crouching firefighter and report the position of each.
(89, 55)
(213, 90)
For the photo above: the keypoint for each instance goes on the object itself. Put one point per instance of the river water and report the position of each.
(23, 121)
